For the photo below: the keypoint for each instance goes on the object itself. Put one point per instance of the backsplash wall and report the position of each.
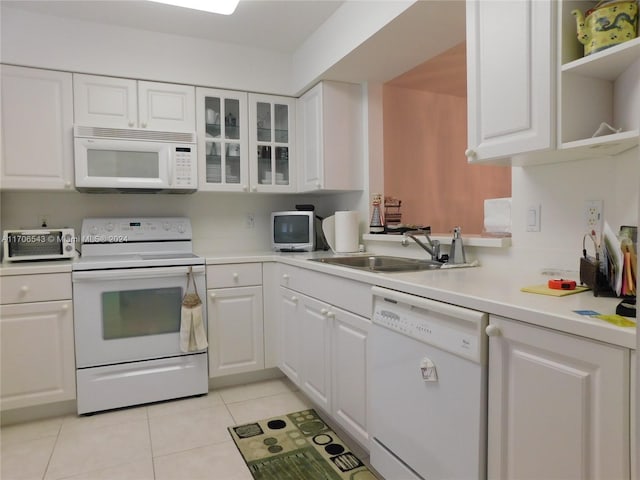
(219, 220)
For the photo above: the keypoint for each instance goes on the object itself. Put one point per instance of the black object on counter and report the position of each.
(627, 307)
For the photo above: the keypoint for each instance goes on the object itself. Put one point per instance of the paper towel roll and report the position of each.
(346, 231)
(497, 215)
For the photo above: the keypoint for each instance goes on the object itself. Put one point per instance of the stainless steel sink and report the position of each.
(381, 263)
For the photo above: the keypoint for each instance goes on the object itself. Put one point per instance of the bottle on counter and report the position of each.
(377, 220)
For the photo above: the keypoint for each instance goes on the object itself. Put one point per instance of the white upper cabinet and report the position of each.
(533, 95)
(223, 154)
(37, 124)
(600, 87)
(125, 103)
(510, 78)
(271, 143)
(330, 137)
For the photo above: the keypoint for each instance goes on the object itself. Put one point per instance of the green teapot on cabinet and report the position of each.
(607, 24)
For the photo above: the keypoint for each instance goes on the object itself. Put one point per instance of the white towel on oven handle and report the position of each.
(193, 336)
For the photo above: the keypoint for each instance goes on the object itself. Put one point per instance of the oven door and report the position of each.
(124, 315)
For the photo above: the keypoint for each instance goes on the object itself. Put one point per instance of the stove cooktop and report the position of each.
(143, 242)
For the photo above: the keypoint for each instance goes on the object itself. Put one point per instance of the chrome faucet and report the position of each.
(432, 247)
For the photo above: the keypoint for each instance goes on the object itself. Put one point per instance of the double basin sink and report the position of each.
(381, 263)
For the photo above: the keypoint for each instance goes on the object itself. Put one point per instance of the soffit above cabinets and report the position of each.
(278, 25)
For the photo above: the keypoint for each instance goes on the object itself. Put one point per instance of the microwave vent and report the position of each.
(135, 134)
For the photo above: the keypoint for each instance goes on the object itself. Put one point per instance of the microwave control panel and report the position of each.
(184, 174)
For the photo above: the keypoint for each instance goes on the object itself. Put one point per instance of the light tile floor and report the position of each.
(177, 440)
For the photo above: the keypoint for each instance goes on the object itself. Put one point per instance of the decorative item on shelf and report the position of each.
(230, 120)
(608, 24)
(377, 220)
(392, 214)
(605, 129)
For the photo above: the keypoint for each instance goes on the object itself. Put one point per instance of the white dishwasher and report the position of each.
(428, 389)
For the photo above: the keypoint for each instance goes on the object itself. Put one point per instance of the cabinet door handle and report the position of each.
(470, 153)
(65, 307)
(131, 124)
(67, 184)
(294, 299)
(254, 189)
(235, 275)
(318, 185)
(492, 331)
(24, 289)
(285, 276)
(330, 314)
(212, 295)
(324, 311)
(244, 188)
(143, 124)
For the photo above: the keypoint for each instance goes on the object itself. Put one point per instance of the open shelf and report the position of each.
(613, 144)
(445, 239)
(608, 64)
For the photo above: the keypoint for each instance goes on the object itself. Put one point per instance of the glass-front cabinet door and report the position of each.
(271, 143)
(223, 157)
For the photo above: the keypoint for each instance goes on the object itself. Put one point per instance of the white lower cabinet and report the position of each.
(323, 345)
(37, 357)
(315, 319)
(235, 316)
(558, 405)
(290, 328)
(349, 382)
(635, 474)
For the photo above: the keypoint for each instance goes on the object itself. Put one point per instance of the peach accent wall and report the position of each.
(425, 136)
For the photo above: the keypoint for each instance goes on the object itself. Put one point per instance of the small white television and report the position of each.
(293, 231)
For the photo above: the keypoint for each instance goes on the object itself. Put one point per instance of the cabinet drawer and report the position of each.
(234, 275)
(35, 288)
(348, 294)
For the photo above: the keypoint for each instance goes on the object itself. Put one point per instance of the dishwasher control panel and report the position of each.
(446, 331)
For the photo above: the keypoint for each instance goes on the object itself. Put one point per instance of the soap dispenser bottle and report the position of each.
(456, 254)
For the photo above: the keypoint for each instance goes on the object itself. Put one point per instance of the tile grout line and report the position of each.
(53, 449)
(153, 464)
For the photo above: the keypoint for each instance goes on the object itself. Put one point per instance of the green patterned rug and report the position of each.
(297, 446)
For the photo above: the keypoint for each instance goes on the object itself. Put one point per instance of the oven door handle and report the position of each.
(135, 273)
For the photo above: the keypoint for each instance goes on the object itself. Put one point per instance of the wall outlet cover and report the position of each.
(593, 217)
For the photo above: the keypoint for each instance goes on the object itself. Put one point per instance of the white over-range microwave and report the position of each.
(128, 160)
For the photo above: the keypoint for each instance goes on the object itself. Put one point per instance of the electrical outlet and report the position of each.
(593, 218)
(43, 220)
(250, 221)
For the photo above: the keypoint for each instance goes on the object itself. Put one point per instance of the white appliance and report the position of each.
(428, 389)
(38, 244)
(129, 160)
(128, 288)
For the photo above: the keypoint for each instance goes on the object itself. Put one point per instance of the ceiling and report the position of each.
(431, 30)
(267, 24)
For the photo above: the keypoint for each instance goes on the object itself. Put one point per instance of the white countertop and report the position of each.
(485, 288)
(36, 267)
(492, 290)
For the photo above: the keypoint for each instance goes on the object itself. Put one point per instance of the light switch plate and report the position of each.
(533, 218)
